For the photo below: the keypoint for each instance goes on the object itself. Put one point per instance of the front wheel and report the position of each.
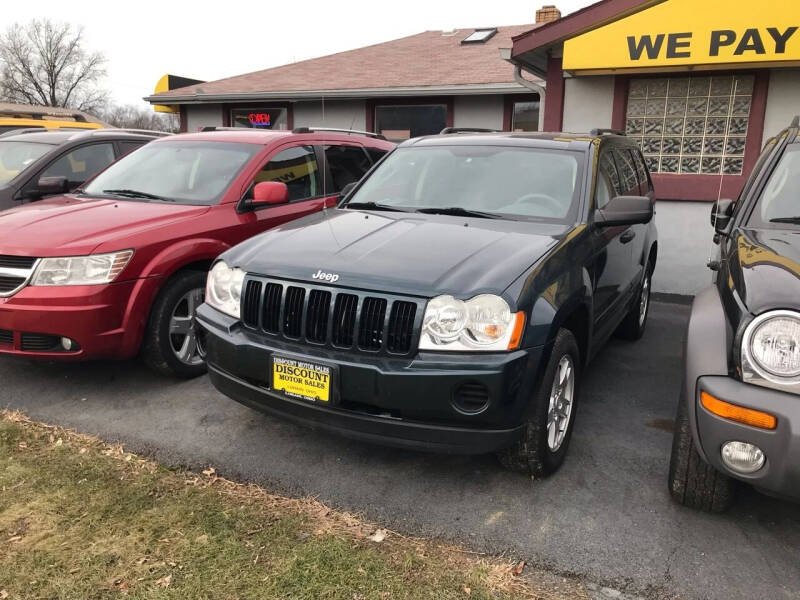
(693, 482)
(548, 429)
(173, 343)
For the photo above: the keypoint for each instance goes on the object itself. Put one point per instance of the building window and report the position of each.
(691, 125)
(260, 118)
(525, 116)
(399, 123)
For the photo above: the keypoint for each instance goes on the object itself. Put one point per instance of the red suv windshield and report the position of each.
(184, 172)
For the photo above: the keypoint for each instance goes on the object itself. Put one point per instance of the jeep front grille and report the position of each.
(333, 318)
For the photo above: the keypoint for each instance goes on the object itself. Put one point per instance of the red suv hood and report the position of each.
(70, 226)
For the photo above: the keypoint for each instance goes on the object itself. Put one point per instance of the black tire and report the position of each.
(157, 346)
(532, 454)
(633, 326)
(692, 481)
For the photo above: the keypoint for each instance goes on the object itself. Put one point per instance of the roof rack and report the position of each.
(601, 131)
(371, 134)
(449, 130)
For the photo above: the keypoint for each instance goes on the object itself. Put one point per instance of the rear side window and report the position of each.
(376, 154)
(629, 180)
(608, 180)
(346, 164)
(80, 164)
(129, 146)
(297, 168)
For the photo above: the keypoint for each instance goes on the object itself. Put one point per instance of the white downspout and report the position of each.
(532, 85)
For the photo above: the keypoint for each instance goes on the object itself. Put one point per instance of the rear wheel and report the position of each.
(173, 343)
(632, 328)
(548, 429)
(693, 482)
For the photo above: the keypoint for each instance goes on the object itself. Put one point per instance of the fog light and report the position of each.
(67, 343)
(743, 457)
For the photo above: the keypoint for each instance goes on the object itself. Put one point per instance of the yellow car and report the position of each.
(24, 116)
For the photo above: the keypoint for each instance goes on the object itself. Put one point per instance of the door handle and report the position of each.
(627, 236)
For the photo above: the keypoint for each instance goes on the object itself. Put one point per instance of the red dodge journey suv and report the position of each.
(119, 266)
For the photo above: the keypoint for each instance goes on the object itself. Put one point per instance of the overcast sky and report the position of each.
(145, 39)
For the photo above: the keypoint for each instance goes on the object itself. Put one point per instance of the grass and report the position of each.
(80, 519)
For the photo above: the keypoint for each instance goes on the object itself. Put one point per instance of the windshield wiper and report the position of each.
(134, 194)
(375, 206)
(794, 220)
(458, 211)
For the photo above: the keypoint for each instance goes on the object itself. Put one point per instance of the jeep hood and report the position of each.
(415, 254)
(765, 269)
(73, 225)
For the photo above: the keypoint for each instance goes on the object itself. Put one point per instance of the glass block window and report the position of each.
(692, 125)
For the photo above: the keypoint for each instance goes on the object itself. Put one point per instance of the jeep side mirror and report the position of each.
(721, 214)
(625, 210)
(270, 193)
(346, 191)
(48, 186)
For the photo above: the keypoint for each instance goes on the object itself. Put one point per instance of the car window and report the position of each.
(346, 164)
(629, 180)
(645, 187)
(376, 154)
(297, 168)
(15, 157)
(127, 147)
(779, 200)
(80, 164)
(608, 180)
(182, 171)
(504, 180)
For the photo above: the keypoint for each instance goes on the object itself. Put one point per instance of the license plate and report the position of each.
(301, 379)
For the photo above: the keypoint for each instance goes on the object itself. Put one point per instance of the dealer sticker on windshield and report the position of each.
(300, 379)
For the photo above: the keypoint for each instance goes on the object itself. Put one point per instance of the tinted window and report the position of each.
(346, 164)
(779, 201)
(16, 156)
(507, 181)
(641, 171)
(629, 180)
(297, 168)
(608, 180)
(129, 146)
(80, 164)
(404, 122)
(376, 154)
(178, 171)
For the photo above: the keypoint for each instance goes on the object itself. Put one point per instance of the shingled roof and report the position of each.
(433, 59)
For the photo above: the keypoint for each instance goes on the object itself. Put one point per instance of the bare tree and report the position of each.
(139, 118)
(45, 63)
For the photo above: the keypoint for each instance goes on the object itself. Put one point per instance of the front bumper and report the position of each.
(103, 320)
(781, 473)
(404, 402)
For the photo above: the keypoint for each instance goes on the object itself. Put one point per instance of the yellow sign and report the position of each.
(301, 379)
(691, 33)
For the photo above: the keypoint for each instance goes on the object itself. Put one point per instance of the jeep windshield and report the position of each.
(508, 182)
(190, 172)
(16, 156)
(779, 204)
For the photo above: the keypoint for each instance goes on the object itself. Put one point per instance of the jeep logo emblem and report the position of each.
(329, 277)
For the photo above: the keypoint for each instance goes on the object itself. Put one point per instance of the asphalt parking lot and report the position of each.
(606, 516)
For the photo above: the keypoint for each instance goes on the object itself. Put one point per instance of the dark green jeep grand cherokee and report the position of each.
(450, 301)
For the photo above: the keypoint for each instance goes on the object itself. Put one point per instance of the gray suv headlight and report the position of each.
(771, 350)
(483, 323)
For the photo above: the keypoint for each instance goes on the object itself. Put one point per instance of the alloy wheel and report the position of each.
(561, 402)
(644, 300)
(186, 339)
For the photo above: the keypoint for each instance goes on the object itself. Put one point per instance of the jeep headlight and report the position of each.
(771, 348)
(483, 323)
(94, 269)
(224, 289)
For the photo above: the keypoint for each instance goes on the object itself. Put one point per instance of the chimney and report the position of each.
(548, 13)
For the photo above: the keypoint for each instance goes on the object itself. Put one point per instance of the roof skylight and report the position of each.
(480, 36)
